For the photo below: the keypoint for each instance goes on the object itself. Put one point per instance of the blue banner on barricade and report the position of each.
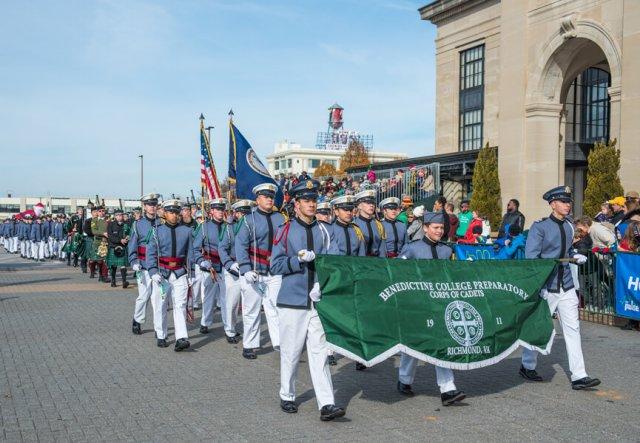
(474, 252)
(628, 285)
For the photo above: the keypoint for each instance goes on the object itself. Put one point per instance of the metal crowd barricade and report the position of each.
(597, 287)
(419, 182)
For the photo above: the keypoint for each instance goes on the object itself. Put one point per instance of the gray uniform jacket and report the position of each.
(297, 277)
(374, 245)
(345, 241)
(552, 238)
(396, 236)
(141, 234)
(207, 243)
(254, 241)
(226, 248)
(171, 250)
(426, 249)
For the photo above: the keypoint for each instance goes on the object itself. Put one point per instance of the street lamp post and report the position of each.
(141, 175)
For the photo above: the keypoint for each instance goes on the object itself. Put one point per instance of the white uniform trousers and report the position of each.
(23, 248)
(252, 298)
(14, 245)
(61, 244)
(176, 289)
(407, 373)
(38, 249)
(50, 247)
(297, 327)
(566, 303)
(197, 291)
(144, 293)
(231, 303)
(212, 290)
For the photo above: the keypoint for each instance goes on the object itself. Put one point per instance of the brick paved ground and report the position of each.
(71, 370)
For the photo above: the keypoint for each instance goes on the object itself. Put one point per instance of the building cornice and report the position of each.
(440, 10)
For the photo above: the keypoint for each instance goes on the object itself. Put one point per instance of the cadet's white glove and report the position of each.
(315, 292)
(580, 259)
(251, 277)
(234, 267)
(136, 267)
(189, 281)
(304, 255)
(205, 265)
(157, 278)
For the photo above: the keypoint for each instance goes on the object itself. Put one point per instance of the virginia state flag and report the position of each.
(246, 167)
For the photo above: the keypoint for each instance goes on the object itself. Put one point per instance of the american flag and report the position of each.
(208, 176)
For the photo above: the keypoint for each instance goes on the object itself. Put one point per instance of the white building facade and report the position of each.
(291, 158)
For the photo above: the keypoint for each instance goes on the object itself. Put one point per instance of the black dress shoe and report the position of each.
(288, 406)
(136, 328)
(113, 284)
(529, 374)
(162, 343)
(585, 383)
(329, 412)
(249, 354)
(204, 330)
(233, 340)
(404, 389)
(331, 359)
(360, 366)
(451, 397)
(182, 344)
(125, 284)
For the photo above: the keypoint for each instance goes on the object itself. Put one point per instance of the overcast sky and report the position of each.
(87, 86)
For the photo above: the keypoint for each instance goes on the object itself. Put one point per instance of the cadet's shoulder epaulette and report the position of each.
(381, 231)
(541, 220)
(285, 216)
(358, 231)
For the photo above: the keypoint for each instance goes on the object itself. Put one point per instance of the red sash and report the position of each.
(171, 263)
(392, 254)
(142, 252)
(212, 256)
(262, 256)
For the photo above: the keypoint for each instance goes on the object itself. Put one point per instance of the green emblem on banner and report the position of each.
(456, 314)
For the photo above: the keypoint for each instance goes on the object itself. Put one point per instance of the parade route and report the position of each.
(72, 371)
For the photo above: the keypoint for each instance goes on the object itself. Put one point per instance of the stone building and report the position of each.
(542, 80)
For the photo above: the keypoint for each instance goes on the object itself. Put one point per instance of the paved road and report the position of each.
(71, 370)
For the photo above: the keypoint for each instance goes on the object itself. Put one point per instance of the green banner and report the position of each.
(454, 314)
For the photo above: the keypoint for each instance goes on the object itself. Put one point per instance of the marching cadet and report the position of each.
(168, 257)
(25, 236)
(141, 235)
(372, 229)
(430, 248)
(395, 231)
(552, 237)
(37, 237)
(253, 246)
(196, 274)
(118, 234)
(324, 215)
(232, 279)
(14, 238)
(206, 245)
(296, 245)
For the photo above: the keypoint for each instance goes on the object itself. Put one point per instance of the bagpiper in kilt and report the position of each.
(118, 235)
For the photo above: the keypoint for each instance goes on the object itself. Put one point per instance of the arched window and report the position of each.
(587, 107)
